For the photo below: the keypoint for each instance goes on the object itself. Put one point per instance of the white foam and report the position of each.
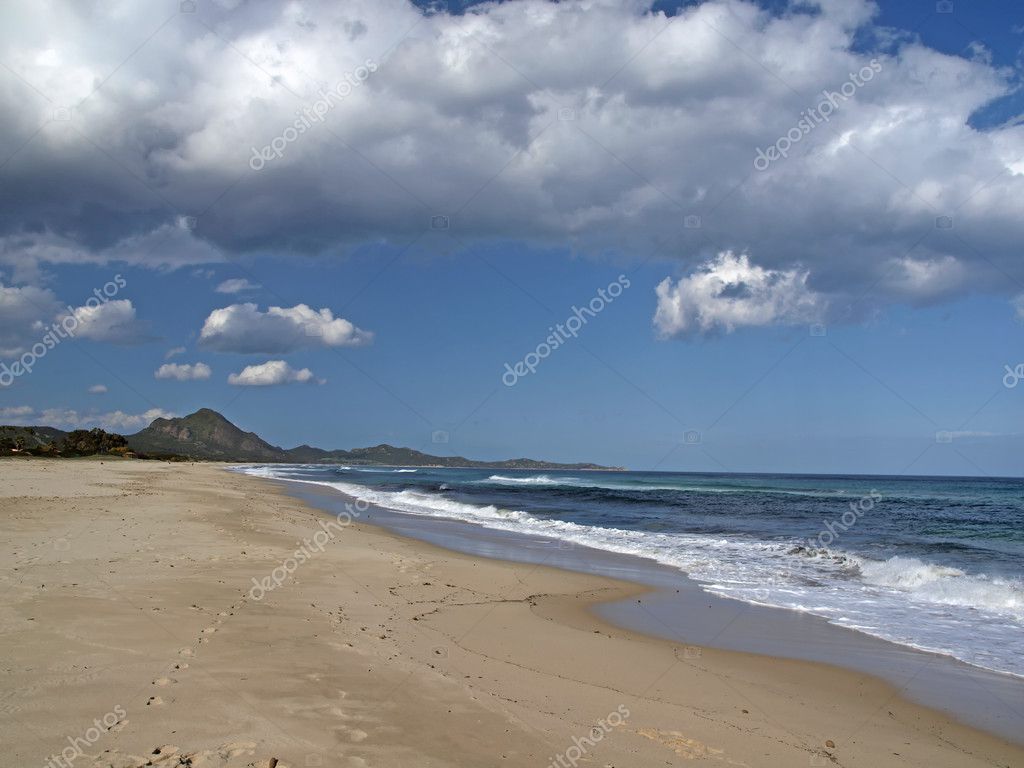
(942, 585)
(534, 480)
(602, 484)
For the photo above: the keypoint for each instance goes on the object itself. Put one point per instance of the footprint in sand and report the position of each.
(232, 755)
(154, 701)
(162, 681)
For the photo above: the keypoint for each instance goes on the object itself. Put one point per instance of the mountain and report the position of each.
(206, 434)
(391, 456)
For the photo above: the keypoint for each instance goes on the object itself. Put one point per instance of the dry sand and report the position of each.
(127, 626)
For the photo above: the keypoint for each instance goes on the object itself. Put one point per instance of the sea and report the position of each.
(934, 563)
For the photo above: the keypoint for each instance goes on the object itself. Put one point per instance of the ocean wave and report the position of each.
(534, 480)
(944, 585)
(642, 487)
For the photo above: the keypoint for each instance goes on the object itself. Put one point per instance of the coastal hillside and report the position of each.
(204, 434)
(207, 434)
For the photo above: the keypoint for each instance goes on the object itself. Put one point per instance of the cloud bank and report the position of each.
(595, 124)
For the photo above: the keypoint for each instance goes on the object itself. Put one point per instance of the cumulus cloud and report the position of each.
(730, 292)
(16, 411)
(113, 321)
(244, 328)
(270, 373)
(236, 285)
(28, 313)
(596, 123)
(68, 418)
(24, 316)
(98, 389)
(183, 371)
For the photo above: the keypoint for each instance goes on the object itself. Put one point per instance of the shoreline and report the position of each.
(130, 585)
(677, 609)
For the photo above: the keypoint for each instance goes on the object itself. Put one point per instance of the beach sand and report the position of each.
(130, 627)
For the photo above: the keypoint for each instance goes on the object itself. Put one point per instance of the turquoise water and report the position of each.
(933, 563)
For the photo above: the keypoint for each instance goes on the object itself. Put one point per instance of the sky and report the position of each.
(702, 236)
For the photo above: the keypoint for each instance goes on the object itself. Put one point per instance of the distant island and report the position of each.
(208, 436)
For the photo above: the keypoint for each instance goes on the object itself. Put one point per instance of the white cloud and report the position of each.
(121, 420)
(113, 321)
(174, 352)
(25, 313)
(16, 411)
(98, 389)
(236, 285)
(728, 292)
(270, 373)
(926, 279)
(68, 418)
(183, 371)
(244, 328)
(28, 313)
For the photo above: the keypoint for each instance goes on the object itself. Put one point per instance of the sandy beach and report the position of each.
(171, 614)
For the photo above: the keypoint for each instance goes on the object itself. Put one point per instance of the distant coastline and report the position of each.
(207, 435)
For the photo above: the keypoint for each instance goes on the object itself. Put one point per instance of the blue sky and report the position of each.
(851, 334)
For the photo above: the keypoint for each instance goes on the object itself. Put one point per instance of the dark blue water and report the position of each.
(934, 563)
